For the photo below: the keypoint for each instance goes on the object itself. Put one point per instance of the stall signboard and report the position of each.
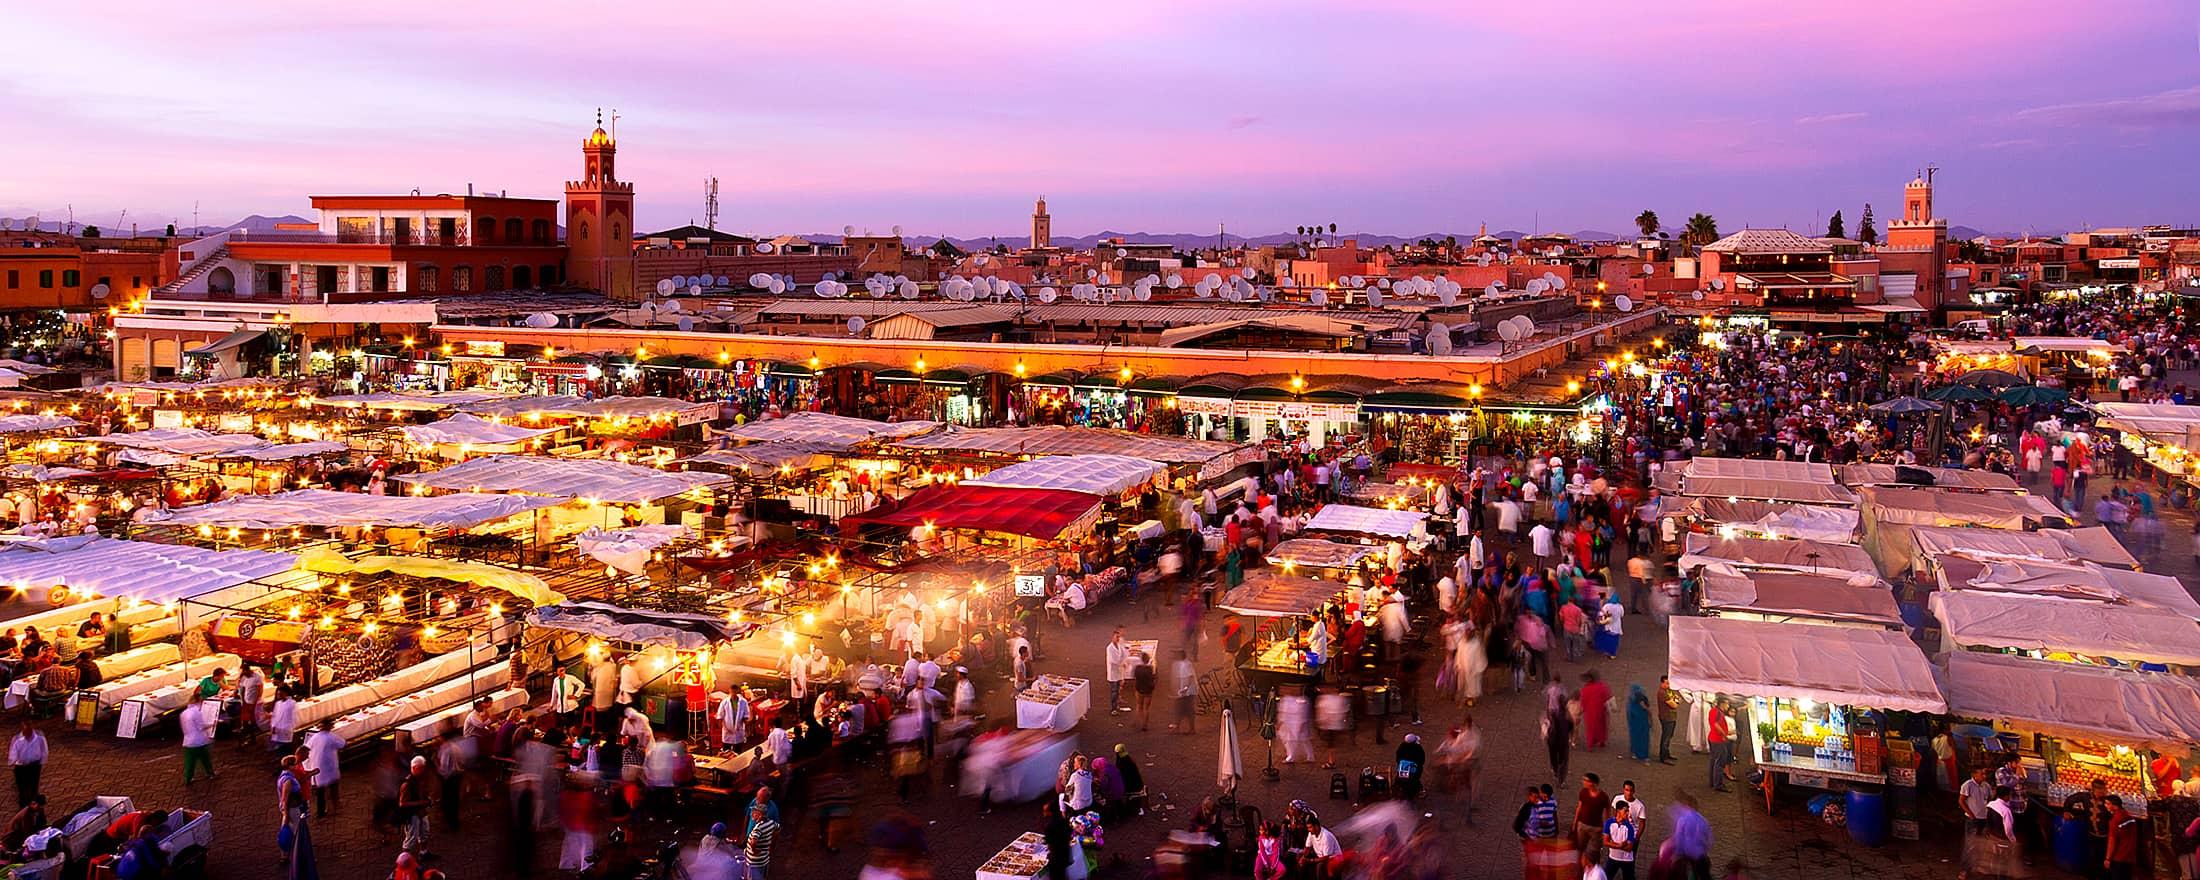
(485, 348)
(1294, 409)
(1031, 585)
(167, 418)
(1204, 406)
(236, 423)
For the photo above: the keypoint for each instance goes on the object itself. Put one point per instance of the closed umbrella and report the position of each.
(1958, 392)
(1229, 767)
(2032, 395)
(1905, 406)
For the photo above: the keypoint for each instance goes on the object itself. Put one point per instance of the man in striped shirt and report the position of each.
(763, 830)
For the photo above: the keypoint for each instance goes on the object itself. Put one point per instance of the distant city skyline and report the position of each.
(1396, 117)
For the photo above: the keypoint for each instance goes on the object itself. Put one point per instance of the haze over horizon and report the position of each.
(1399, 117)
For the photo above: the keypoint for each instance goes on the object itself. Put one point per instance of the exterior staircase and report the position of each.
(204, 265)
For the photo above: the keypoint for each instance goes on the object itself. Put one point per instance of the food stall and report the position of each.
(2061, 628)
(1377, 522)
(1025, 858)
(1798, 556)
(1818, 699)
(2166, 436)
(1787, 597)
(1890, 512)
(1053, 702)
(2072, 724)
(1750, 479)
(1277, 654)
(1319, 557)
(1766, 519)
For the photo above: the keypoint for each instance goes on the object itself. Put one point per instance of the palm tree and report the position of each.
(1647, 221)
(1702, 230)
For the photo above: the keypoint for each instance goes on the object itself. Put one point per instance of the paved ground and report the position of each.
(1179, 769)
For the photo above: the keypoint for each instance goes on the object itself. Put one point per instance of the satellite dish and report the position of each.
(1047, 295)
(1695, 295)
(1150, 279)
(1624, 303)
(763, 247)
(778, 286)
(1447, 296)
(1249, 273)
(1718, 284)
(1212, 281)
(1384, 283)
(542, 320)
(1649, 268)
(1374, 297)
(1538, 285)
(855, 325)
(678, 280)
(1319, 297)
(760, 281)
(1482, 260)
(848, 230)
(669, 306)
(1508, 331)
(693, 290)
(1439, 340)
(664, 286)
(1143, 293)
(1558, 283)
(1527, 326)
(100, 290)
(1120, 252)
(1491, 290)
(1174, 281)
(897, 230)
(907, 289)
(684, 323)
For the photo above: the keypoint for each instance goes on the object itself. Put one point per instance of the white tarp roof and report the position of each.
(1318, 553)
(1366, 520)
(1972, 618)
(414, 401)
(322, 507)
(464, 429)
(1846, 666)
(139, 570)
(1877, 474)
(817, 427)
(285, 451)
(2065, 343)
(25, 424)
(1784, 594)
(1777, 554)
(763, 458)
(2083, 580)
(1214, 457)
(182, 441)
(1784, 519)
(2045, 545)
(565, 477)
(1096, 474)
(628, 549)
(2122, 706)
(2160, 422)
(1934, 507)
(1798, 481)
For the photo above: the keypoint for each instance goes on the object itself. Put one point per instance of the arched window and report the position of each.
(542, 232)
(522, 278)
(492, 278)
(221, 280)
(515, 231)
(488, 227)
(547, 275)
(462, 278)
(430, 278)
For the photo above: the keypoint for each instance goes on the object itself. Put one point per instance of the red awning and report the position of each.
(1034, 513)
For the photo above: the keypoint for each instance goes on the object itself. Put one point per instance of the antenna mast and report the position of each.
(710, 203)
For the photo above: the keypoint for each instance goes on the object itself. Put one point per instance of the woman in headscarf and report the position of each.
(1638, 723)
(1412, 761)
(1133, 780)
(1107, 783)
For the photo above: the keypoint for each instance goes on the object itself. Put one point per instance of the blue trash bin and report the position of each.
(1868, 817)
(2072, 849)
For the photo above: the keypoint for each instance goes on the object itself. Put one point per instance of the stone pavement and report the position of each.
(1180, 770)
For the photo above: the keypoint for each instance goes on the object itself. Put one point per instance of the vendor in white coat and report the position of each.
(323, 751)
(733, 719)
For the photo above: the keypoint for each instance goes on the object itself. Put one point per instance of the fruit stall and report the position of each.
(2074, 723)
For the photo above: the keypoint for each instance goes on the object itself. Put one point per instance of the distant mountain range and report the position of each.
(254, 223)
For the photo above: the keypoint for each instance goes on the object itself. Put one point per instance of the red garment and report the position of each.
(1719, 731)
(1596, 698)
(2123, 837)
(2166, 772)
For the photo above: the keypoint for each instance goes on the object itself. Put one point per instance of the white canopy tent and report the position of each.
(1973, 618)
(1845, 666)
(595, 479)
(2074, 580)
(817, 427)
(1107, 475)
(322, 507)
(182, 441)
(141, 570)
(1778, 518)
(1366, 520)
(410, 401)
(2046, 545)
(1809, 598)
(2076, 700)
(285, 451)
(32, 423)
(757, 459)
(474, 432)
(1857, 476)
(1764, 554)
(1800, 482)
(1214, 458)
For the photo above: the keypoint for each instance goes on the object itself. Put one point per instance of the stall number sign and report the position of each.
(167, 418)
(1031, 585)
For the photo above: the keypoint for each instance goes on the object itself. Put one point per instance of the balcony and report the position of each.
(381, 237)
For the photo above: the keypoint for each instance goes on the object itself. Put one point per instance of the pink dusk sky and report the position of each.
(949, 116)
